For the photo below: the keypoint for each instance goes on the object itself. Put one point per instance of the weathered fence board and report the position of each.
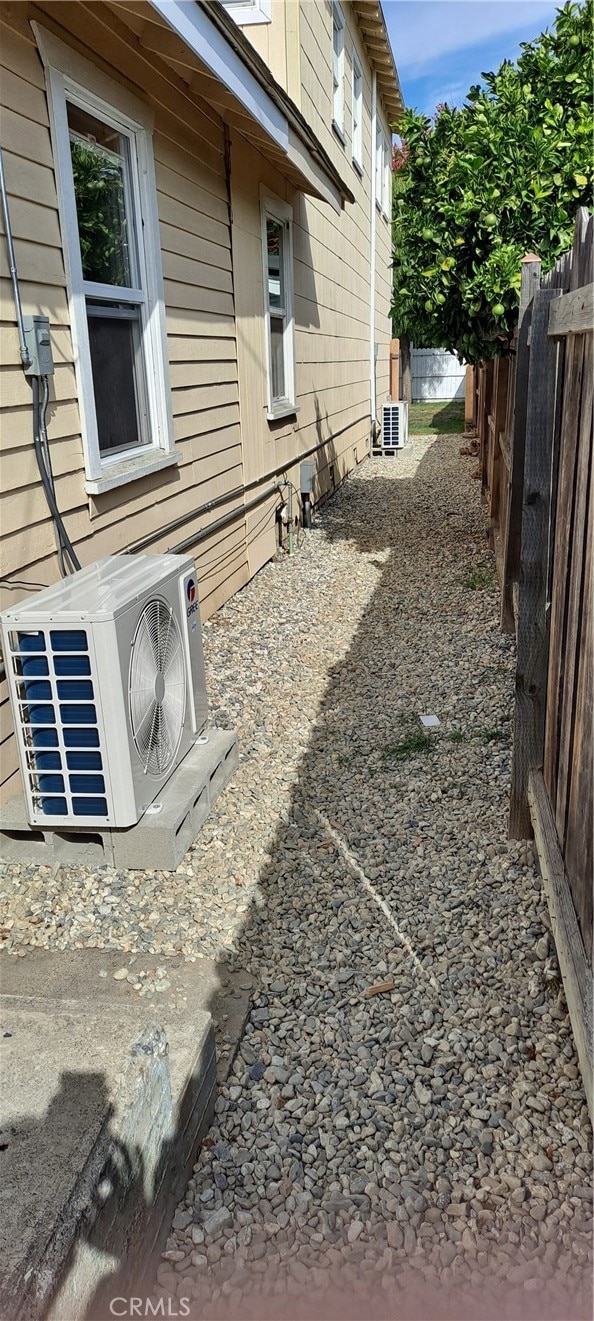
(574, 313)
(511, 530)
(538, 482)
(575, 970)
(563, 533)
(531, 672)
(575, 585)
(579, 833)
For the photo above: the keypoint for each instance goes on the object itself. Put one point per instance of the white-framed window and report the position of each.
(357, 113)
(338, 69)
(277, 252)
(383, 174)
(387, 178)
(249, 11)
(108, 208)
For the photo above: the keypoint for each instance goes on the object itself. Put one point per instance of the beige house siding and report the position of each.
(332, 265)
(316, 75)
(269, 39)
(196, 253)
(208, 181)
(331, 340)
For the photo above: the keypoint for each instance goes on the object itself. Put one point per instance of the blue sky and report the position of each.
(441, 47)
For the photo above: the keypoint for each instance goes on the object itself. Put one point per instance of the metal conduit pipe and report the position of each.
(226, 519)
(234, 494)
(14, 275)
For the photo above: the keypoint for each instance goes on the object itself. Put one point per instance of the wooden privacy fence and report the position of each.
(534, 418)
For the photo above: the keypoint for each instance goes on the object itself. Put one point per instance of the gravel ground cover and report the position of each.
(420, 1151)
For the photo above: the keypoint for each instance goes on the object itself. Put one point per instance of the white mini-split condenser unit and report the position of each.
(106, 679)
(394, 426)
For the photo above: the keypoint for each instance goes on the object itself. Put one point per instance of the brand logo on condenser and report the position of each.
(192, 598)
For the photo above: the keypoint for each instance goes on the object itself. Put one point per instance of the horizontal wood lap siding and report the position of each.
(331, 290)
(196, 253)
(331, 342)
(269, 39)
(198, 291)
(354, 223)
(24, 518)
(383, 298)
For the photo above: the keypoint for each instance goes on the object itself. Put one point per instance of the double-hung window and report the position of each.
(338, 69)
(277, 248)
(109, 222)
(112, 282)
(383, 173)
(387, 178)
(357, 113)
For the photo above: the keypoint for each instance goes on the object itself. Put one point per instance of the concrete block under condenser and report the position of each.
(161, 838)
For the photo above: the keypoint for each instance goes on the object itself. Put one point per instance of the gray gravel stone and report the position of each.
(217, 1220)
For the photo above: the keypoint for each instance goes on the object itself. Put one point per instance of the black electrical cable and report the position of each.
(47, 483)
(49, 469)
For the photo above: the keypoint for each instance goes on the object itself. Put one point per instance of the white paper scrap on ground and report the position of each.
(429, 722)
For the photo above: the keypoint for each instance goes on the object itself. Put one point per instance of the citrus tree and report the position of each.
(479, 186)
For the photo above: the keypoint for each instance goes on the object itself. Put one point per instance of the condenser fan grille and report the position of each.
(157, 689)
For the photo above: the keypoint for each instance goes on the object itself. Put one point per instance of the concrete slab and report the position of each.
(106, 1096)
(87, 976)
(89, 1122)
(160, 839)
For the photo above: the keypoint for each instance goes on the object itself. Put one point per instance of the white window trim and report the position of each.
(338, 21)
(70, 76)
(273, 207)
(378, 165)
(249, 11)
(387, 178)
(357, 128)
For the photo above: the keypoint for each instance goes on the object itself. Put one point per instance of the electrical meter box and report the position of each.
(306, 478)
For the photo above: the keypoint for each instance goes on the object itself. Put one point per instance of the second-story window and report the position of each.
(357, 113)
(387, 179)
(383, 174)
(338, 69)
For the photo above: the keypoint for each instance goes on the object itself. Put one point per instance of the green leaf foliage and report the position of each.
(478, 187)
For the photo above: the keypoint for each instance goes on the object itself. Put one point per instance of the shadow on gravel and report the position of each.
(376, 1109)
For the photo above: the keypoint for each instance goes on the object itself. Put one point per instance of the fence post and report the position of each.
(511, 557)
(469, 399)
(532, 623)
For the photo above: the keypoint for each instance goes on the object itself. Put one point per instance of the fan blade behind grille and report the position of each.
(157, 688)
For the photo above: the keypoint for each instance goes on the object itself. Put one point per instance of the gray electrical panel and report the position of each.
(39, 344)
(306, 478)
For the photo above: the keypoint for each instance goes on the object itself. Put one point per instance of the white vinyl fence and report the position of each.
(436, 374)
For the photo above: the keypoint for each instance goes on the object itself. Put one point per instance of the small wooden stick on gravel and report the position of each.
(378, 989)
